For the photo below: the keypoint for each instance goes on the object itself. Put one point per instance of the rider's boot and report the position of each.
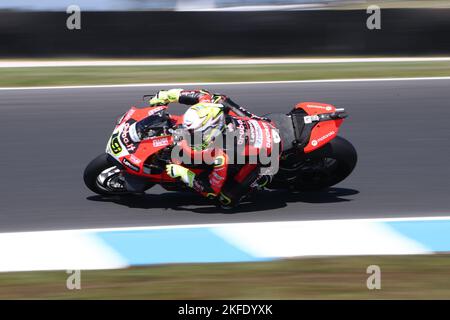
(234, 192)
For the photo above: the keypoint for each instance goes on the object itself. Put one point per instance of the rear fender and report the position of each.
(324, 131)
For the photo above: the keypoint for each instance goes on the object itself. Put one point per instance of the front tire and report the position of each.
(103, 177)
(326, 166)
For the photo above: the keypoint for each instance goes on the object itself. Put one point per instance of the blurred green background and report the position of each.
(48, 76)
(402, 277)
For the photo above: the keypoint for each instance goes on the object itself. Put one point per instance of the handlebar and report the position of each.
(147, 96)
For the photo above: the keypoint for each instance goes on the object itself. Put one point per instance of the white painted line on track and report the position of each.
(132, 85)
(190, 62)
(217, 225)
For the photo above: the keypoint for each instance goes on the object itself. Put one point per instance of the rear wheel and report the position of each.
(103, 177)
(327, 166)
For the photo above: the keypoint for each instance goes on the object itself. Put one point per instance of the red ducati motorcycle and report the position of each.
(312, 156)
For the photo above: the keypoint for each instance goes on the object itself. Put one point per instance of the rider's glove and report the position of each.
(164, 97)
(177, 171)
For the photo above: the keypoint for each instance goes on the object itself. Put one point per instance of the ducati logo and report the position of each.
(241, 131)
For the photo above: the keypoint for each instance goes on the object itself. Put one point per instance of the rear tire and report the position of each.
(103, 184)
(327, 166)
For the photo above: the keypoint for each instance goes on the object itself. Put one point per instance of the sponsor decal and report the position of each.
(310, 119)
(218, 168)
(267, 135)
(214, 183)
(131, 147)
(217, 177)
(241, 132)
(252, 133)
(124, 134)
(130, 165)
(135, 160)
(316, 142)
(327, 108)
(155, 110)
(128, 115)
(258, 134)
(160, 142)
(126, 140)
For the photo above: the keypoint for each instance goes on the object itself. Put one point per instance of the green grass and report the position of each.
(10, 77)
(402, 277)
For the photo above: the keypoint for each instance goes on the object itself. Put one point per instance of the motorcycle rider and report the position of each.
(209, 116)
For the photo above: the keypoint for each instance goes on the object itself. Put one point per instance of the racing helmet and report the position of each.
(204, 122)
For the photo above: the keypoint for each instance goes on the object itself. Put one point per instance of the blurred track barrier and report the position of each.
(241, 242)
(200, 34)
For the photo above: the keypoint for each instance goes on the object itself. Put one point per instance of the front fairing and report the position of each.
(132, 155)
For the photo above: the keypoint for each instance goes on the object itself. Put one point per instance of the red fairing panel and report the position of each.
(134, 161)
(324, 131)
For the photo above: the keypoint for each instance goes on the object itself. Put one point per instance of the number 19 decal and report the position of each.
(115, 144)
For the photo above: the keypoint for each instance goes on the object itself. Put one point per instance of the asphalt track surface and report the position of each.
(401, 130)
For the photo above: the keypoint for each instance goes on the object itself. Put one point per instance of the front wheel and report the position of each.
(103, 177)
(326, 166)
